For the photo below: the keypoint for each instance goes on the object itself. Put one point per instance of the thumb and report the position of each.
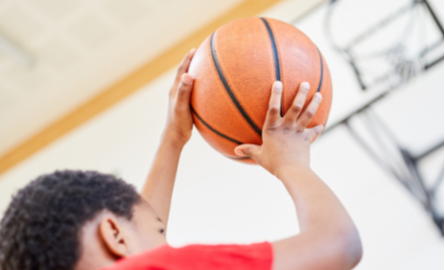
(247, 150)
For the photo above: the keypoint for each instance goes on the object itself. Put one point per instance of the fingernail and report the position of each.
(305, 86)
(192, 51)
(317, 96)
(187, 79)
(278, 85)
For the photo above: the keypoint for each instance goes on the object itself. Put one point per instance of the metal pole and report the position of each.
(435, 18)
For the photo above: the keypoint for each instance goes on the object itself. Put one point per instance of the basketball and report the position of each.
(234, 70)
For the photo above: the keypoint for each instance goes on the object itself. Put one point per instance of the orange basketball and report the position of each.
(234, 70)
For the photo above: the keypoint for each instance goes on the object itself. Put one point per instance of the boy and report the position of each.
(88, 220)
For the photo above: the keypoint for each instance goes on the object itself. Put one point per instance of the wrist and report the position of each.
(174, 139)
(288, 171)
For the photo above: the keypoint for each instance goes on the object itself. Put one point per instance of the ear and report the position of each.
(113, 236)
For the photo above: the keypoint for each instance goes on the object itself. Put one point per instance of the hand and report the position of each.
(286, 140)
(179, 120)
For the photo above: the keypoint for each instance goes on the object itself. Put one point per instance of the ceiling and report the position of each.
(73, 49)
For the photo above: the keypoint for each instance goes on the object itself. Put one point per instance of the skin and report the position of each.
(328, 238)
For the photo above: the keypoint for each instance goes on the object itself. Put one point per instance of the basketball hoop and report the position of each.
(403, 47)
(384, 54)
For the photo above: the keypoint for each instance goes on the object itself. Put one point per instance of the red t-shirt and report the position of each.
(196, 257)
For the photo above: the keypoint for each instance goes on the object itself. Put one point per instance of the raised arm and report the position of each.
(328, 238)
(158, 187)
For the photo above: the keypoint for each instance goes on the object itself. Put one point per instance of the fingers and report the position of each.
(184, 92)
(184, 66)
(273, 113)
(306, 117)
(297, 105)
(314, 133)
(247, 150)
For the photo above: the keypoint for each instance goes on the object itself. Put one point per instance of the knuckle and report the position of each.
(304, 91)
(182, 90)
(273, 110)
(271, 130)
(296, 108)
(309, 114)
(317, 98)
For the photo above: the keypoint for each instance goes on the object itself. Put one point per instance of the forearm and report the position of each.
(159, 185)
(328, 238)
(322, 217)
(317, 206)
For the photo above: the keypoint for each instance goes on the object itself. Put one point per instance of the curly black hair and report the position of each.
(41, 226)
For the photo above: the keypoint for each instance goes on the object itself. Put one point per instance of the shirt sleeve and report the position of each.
(200, 257)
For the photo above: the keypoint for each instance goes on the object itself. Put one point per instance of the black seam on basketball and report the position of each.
(214, 130)
(321, 75)
(275, 51)
(229, 91)
(276, 58)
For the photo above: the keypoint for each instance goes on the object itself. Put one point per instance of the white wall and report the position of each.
(217, 200)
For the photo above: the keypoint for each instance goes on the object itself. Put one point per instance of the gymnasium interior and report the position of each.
(84, 85)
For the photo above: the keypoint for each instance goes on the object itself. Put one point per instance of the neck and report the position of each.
(93, 265)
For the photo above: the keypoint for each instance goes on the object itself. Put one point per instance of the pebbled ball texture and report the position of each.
(234, 70)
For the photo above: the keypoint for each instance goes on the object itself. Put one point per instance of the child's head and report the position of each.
(76, 220)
